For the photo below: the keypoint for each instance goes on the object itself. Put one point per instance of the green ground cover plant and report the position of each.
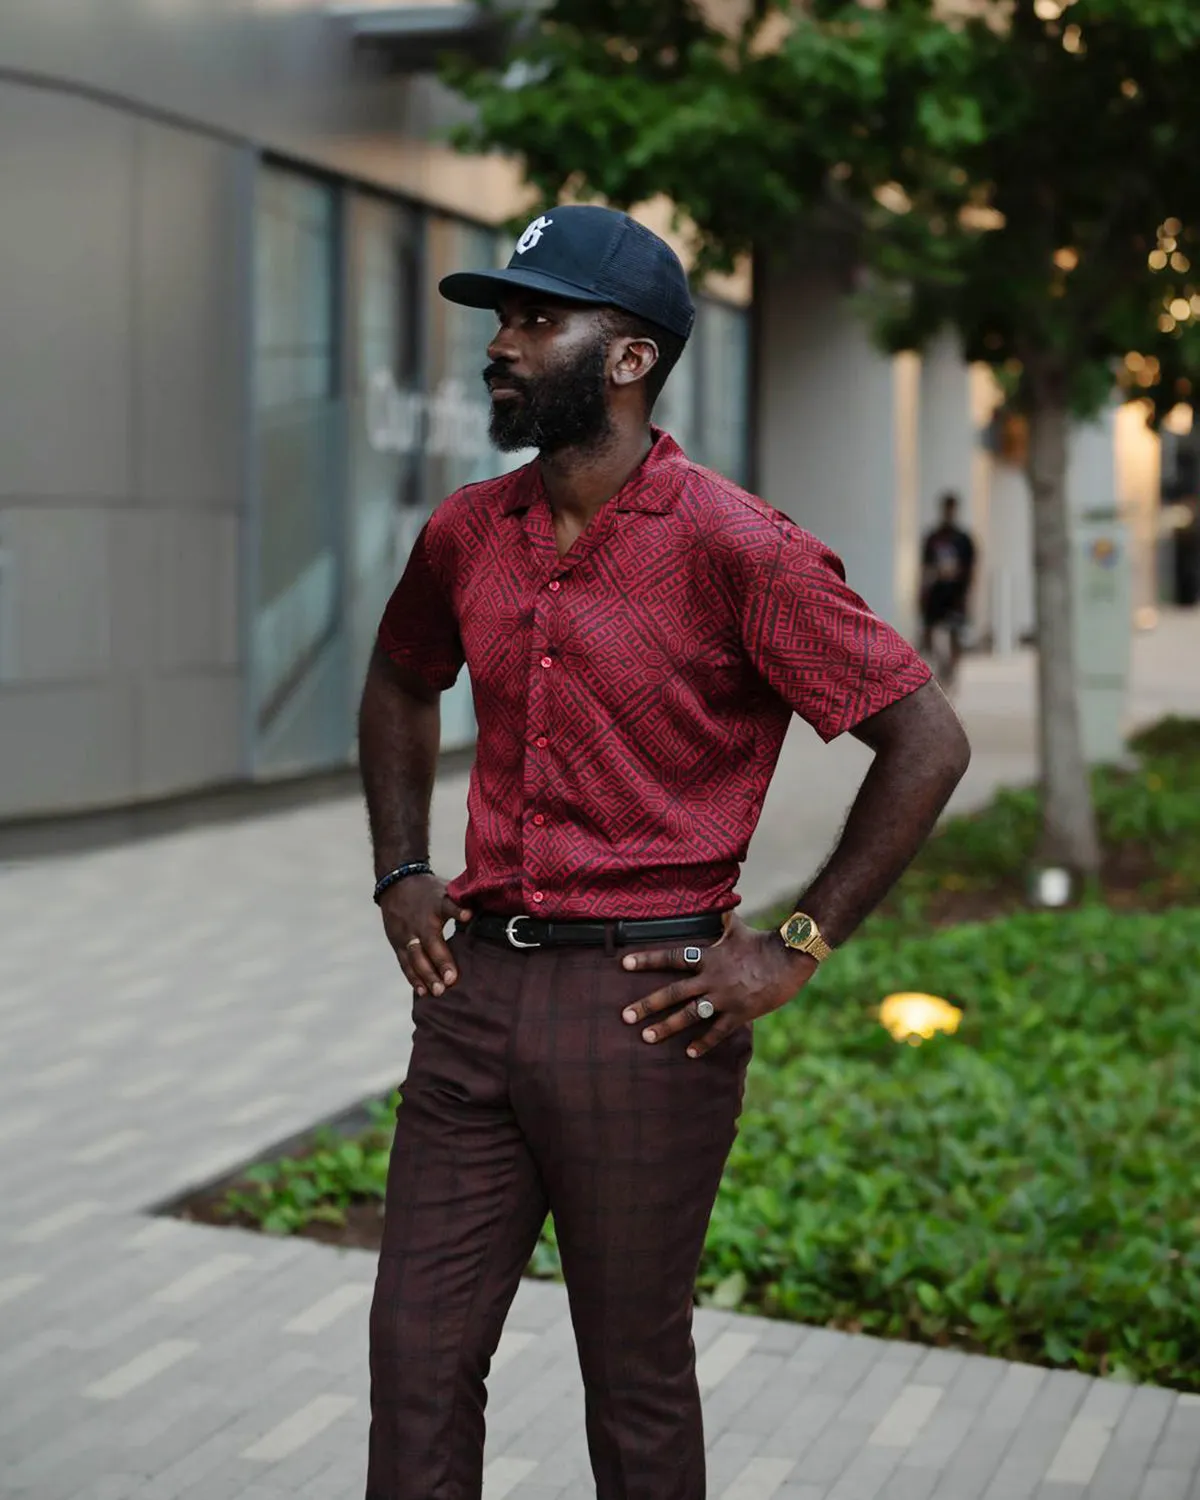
(1025, 1188)
(1149, 821)
(319, 1186)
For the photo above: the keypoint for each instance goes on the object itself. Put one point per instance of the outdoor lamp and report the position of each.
(912, 1017)
(1051, 887)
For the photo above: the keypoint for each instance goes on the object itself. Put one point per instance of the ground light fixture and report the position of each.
(912, 1017)
(1051, 888)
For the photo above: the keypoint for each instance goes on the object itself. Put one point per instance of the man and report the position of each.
(947, 572)
(639, 633)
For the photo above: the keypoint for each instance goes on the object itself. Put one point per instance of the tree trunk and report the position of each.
(1069, 837)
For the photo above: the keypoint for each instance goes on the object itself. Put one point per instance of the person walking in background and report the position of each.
(947, 572)
(639, 633)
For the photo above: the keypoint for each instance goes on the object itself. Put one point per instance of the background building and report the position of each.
(230, 395)
(865, 444)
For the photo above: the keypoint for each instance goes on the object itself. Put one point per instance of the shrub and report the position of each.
(1149, 823)
(1174, 736)
(1026, 1187)
(319, 1186)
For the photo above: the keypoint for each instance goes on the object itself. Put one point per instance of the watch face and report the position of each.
(799, 929)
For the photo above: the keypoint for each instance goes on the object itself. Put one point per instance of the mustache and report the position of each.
(500, 375)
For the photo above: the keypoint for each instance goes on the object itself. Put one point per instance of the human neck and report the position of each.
(579, 481)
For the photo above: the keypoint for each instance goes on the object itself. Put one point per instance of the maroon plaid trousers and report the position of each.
(527, 1092)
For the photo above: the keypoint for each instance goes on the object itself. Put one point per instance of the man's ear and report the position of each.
(635, 358)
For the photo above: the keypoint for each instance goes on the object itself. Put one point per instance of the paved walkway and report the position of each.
(169, 1008)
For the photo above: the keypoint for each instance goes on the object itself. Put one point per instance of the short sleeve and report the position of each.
(815, 643)
(419, 629)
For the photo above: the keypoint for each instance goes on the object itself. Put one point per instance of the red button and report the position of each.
(539, 819)
(547, 662)
(539, 895)
(555, 586)
(541, 742)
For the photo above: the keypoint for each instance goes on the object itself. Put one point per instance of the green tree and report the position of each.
(1025, 173)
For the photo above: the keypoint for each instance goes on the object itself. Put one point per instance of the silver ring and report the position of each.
(413, 943)
(693, 955)
(705, 1009)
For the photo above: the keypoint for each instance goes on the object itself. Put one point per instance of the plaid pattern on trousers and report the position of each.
(527, 1092)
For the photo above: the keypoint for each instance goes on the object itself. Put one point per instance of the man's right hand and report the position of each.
(415, 913)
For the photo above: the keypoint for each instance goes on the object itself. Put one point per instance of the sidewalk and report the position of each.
(169, 1008)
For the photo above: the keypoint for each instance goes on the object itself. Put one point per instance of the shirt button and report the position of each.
(539, 819)
(539, 896)
(555, 586)
(547, 661)
(541, 742)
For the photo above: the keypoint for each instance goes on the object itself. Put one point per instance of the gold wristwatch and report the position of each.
(802, 935)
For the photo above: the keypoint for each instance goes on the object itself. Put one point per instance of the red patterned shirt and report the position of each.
(632, 697)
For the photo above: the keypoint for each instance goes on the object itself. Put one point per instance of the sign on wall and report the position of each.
(445, 423)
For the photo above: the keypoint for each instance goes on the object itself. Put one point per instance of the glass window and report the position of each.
(370, 411)
(417, 410)
(457, 450)
(295, 387)
(675, 409)
(704, 404)
(722, 353)
(385, 407)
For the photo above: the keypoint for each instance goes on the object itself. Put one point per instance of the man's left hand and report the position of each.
(747, 974)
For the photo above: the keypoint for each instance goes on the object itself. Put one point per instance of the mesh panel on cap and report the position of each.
(639, 284)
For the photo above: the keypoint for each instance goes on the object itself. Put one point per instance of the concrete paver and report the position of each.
(172, 1007)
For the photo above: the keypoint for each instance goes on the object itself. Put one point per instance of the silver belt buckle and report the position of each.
(511, 935)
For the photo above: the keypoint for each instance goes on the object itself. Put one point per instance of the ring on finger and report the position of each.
(413, 943)
(705, 1009)
(693, 955)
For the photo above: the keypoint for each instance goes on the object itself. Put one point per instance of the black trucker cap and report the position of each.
(585, 253)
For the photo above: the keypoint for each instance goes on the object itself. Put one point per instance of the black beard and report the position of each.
(562, 409)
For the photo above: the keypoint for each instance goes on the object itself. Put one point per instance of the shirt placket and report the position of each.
(553, 579)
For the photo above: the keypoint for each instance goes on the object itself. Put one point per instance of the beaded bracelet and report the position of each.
(401, 872)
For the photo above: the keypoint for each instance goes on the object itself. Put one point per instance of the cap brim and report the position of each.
(485, 288)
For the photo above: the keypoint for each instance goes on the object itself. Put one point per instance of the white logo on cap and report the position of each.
(534, 233)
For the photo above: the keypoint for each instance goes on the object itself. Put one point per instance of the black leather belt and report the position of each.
(539, 932)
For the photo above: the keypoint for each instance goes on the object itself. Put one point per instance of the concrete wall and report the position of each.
(828, 435)
(128, 135)
(1007, 549)
(120, 453)
(1139, 454)
(947, 432)
(282, 73)
(279, 71)
(858, 447)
